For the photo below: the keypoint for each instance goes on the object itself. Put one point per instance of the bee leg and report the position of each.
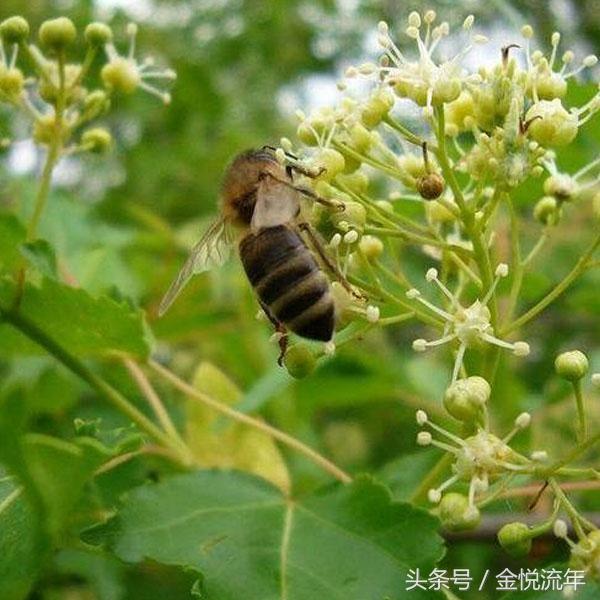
(306, 192)
(283, 344)
(279, 329)
(317, 244)
(339, 206)
(307, 172)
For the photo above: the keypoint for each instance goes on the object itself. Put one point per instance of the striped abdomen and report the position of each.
(288, 281)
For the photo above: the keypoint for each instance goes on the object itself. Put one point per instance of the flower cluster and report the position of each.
(484, 464)
(480, 458)
(445, 183)
(55, 97)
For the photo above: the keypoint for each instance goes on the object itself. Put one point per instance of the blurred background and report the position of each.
(244, 67)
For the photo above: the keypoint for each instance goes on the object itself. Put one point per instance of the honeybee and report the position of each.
(260, 208)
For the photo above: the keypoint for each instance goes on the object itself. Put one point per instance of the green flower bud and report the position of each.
(121, 75)
(354, 214)
(465, 398)
(385, 205)
(299, 361)
(351, 163)
(547, 211)
(551, 86)
(97, 140)
(361, 137)
(14, 30)
(430, 186)
(332, 161)
(562, 187)
(371, 246)
(376, 108)
(585, 556)
(11, 82)
(98, 34)
(306, 135)
(515, 538)
(49, 86)
(572, 366)
(457, 112)
(95, 104)
(438, 213)
(412, 168)
(456, 514)
(44, 130)
(357, 182)
(550, 124)
(57, 34)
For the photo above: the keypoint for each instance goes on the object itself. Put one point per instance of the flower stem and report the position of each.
(431, 478)
(577, 270)
(54, 151)
(226, 410)
(574, 515)
(582, 429)
(43, 190)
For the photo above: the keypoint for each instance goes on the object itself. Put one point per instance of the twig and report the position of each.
(286, 439)
(153, 399)
(533, 489)
(116, 461)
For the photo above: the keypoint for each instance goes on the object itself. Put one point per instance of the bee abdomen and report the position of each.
(289, 282)
(263, 252)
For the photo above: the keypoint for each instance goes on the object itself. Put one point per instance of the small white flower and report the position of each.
(502, 270)
(424, 438)
(126, 75)
(434, 496)
(419, 345)
(372, 313)
(421, 417)
(426, 81)
(469, 326)
(560, 529)
(539, 456)
(351, 237)
(329, 348)
(523, 420)
(336, 240)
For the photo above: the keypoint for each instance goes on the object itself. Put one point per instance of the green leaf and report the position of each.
(104, 573)
(59, 470)
(248, 541)
(19, 548)
(12, 233)
(83, 324)
(225, 443)
(40, 255)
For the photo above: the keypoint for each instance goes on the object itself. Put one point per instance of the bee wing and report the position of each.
(211, 251)
(277, 203)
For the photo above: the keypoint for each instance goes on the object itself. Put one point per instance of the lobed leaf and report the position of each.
(83, 324)
(248, 541)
